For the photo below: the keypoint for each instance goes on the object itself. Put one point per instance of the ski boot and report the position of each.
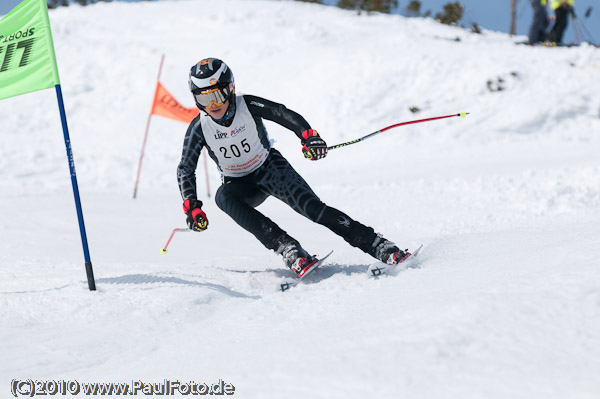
(387, 252)
(297, 259)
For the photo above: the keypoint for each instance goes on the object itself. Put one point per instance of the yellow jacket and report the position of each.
(554, 4)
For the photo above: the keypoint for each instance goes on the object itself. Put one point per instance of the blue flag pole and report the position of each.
(86, 252)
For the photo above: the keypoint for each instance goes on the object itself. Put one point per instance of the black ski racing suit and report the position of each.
(262, 173)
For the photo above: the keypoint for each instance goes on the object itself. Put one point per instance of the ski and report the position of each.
(289, 283)
(380, 268)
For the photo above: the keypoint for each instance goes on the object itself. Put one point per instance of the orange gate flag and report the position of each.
(166, 105)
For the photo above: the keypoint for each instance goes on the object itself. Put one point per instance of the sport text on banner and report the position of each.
(28, 63)
(27, 60)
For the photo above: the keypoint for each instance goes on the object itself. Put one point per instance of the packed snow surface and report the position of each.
(505, 302)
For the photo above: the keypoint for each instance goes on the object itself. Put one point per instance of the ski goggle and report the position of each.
(217, 95)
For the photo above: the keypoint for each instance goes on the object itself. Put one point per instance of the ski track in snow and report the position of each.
(505, 303)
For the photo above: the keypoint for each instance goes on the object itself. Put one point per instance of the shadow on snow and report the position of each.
(150, 279)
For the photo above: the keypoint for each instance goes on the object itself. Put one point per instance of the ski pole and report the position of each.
(587, 32)
(183, 230)
(463, 114)
(578, 35)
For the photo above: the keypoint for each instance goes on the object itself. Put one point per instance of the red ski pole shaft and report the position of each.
(184, 230)
(333, 147)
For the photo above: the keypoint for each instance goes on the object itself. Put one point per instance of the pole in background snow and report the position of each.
(86, 252)
(137, 179)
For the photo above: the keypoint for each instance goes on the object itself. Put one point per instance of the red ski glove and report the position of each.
(196, 218)
(313, 146)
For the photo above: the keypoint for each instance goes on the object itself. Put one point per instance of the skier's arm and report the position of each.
(186, 171)
(277, 113)
(313, 146)
(186, 177)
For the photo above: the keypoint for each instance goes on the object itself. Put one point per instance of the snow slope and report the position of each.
(506, 303)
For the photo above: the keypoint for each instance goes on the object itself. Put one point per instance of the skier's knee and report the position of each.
(228, 195)
(221, 199)
(315, 214)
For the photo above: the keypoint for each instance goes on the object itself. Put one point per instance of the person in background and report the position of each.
(537, 32)
(562, 9)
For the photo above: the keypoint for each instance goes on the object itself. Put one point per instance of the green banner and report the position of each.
(27, 60)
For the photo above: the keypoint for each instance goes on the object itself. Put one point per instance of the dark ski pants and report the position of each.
(562, 19)
(238, 197)
(537, 32)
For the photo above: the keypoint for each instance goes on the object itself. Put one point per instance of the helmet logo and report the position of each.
(213, 81)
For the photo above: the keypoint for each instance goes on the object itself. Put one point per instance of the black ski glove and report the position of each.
(196, 218)
(313, 146)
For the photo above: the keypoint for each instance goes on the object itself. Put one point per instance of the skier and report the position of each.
(537, 32)
(233, 132)
(562, 9)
